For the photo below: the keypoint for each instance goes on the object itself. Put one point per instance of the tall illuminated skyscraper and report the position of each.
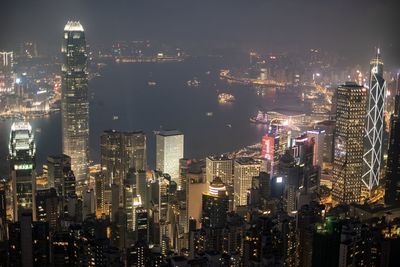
(169, 150)
(22, 166)
(75, 101)
(349, 148)
(244, 169)
(374, 125)
(7, 78)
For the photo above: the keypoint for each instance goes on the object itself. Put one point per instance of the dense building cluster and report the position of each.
(277, 207)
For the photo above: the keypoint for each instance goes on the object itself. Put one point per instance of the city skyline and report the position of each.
(191, 140)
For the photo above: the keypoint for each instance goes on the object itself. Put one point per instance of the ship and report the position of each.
(151, 83)
(193, 83)
(260, 118)
(225, 98)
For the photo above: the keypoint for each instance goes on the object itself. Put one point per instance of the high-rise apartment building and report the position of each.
(374, 126)
(349, 145)
(169, 150)
(22, 166)
(75, 100)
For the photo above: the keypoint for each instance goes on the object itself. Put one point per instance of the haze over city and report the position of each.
(200, 133)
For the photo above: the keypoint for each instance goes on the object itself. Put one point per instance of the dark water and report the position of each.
(122, 91)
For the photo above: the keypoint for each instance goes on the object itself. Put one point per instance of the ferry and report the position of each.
(260, 118)
(193, 83)
(225, 98)
(151, 83)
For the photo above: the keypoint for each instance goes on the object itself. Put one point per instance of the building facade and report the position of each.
(244, 170)
(22, 166)
(169, 150)
(75, 100)
(374, 126)
(219, 166)
(349, 145)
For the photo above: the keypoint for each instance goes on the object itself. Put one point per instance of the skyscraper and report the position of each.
(74, 100)
(392, 184)
(169, 150)
(121, 151)
(59, 174)
(22, 166)
(7, 78)
(348, 160)
(219, 166)
(244, 169)
(374, 125)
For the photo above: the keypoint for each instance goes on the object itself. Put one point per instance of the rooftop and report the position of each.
(169, 133)
(73, 26)
(246, 161)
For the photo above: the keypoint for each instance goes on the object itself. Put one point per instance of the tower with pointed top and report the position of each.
(374, 126)
(75, 101)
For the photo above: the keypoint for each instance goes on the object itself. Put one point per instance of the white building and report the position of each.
(169, 150)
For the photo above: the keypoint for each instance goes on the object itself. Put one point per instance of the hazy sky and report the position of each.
(350, 27)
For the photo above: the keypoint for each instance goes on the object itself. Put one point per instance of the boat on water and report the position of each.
(260, 118)
(193, 83)
(209, 114)
(151, 83)
(225, 98)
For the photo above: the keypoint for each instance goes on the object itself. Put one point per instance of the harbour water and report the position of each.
(122, 99)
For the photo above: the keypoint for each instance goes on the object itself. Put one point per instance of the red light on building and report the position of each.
(268, 144)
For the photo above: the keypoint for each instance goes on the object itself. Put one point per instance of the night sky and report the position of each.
(351, 28)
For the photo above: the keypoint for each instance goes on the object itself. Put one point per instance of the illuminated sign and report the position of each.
(268, 143)
(279, 180)
(23, 167)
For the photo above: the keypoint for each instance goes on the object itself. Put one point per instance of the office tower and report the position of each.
(374, 126)
(392, 184)
(138, 254)
(318, 137)
(214, 214)
(348, 162)
(28, 242)
(219, 166)
(169, 150)
(89, 203)
(290, 174)
(7, 78)
(59, 174)
(63, 249)
(271, 151)
(121, 151)
(244, 170)
(102, 192)
(75, 100)
(141, 224)
(326, 243)
(22, 166)
(47, 207)
(329, 128)
(3, 214)
(215, 205)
